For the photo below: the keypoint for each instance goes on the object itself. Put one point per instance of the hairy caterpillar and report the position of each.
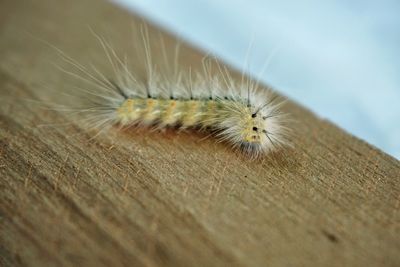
(239, 113)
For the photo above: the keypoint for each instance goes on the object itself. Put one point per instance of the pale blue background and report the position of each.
(339, 58)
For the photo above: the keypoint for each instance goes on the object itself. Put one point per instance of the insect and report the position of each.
(239, 113)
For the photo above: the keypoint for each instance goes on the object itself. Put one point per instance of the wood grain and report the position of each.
(167, 199)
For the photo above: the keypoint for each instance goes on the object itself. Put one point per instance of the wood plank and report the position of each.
(167, 199)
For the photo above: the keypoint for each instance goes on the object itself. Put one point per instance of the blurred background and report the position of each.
(338, 58)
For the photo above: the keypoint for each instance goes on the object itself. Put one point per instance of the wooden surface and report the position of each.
(170, 199)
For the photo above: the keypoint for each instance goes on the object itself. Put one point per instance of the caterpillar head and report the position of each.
(255, 130)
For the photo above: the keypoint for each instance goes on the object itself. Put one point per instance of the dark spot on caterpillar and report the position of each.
(226, 97)
(264, 131)
(255, 129)
(254, 115)
(119, 89)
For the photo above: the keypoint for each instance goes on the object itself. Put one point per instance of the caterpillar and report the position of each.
(239, 113)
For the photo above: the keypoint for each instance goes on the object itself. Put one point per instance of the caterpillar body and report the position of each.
(238, 113)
